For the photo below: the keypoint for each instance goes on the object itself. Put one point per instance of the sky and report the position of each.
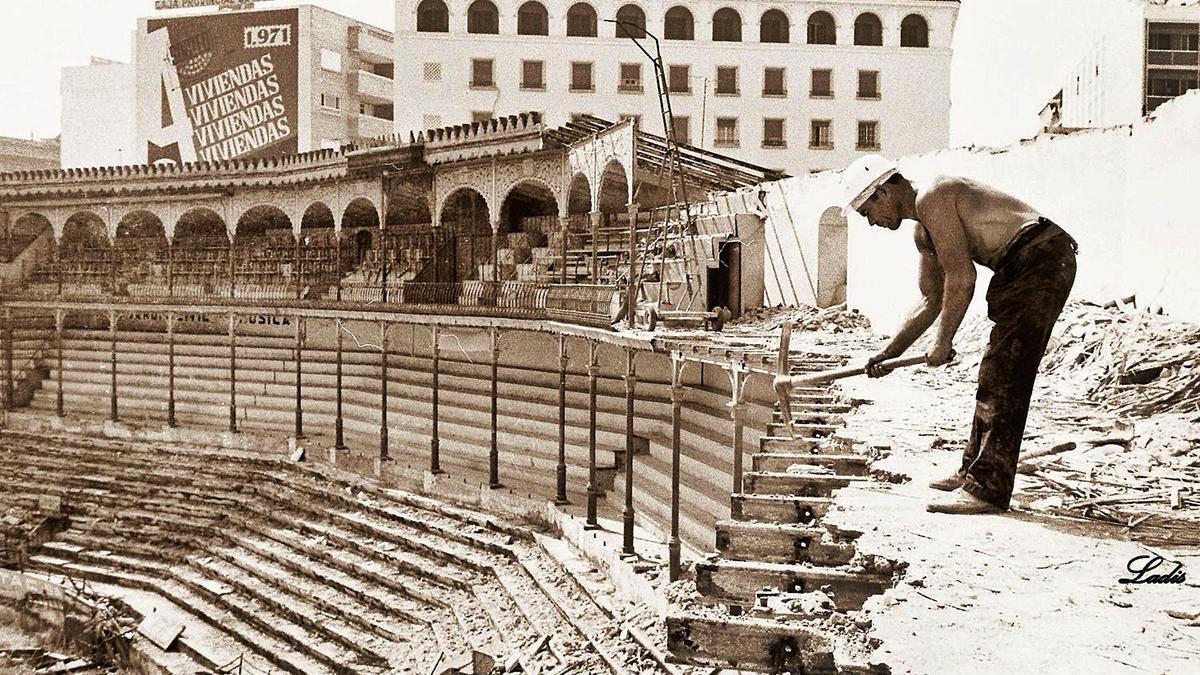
(1009, 56)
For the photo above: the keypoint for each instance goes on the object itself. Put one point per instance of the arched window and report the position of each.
(727, 26)
(532, 19)
(581, 20)
(914, 32)
(482, 17)
(868, 30)
(631, 22)
(679, 25)
(433, 17)
(774, 27)
(821, 29)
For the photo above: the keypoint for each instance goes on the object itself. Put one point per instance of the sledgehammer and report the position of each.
(785, 381)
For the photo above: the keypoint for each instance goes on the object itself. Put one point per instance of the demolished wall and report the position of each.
(1124, 193)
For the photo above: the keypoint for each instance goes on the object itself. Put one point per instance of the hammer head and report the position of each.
(783, 380)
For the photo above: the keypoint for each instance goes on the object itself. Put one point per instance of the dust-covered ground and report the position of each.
(1037, 590)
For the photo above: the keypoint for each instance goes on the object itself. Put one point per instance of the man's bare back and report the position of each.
(990, 218)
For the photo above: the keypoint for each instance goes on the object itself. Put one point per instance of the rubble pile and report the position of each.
(833, 319)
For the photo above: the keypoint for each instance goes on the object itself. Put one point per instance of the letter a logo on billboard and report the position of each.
(228, 86)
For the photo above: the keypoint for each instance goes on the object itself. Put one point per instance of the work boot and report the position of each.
(949, 483)
(961, 502)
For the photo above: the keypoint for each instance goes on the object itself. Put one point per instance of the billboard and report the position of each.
(223, 86)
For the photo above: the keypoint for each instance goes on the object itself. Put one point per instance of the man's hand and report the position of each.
(940, 355)
(874, 365)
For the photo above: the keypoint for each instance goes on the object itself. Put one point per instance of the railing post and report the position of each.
(560, 497)
(170, 269)
(565, 229)
(495, 252)
(383, 262)
(594, 222)
(673, 545)
(630, 385)
(299, 367)
(232, 370)
(112, 333)
(232, 275)
(339, 439)
(297, 268)
(8, 358)
(494, 453)
(171, 370)
(593, 371)
(337, 269)
(435, 462)
(58, 266)
(383, 393)
(737, 410)
(58, 347)
(631, 288)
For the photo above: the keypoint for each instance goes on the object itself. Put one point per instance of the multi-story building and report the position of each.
(1147, 52)
(223, 84)
(799, 85)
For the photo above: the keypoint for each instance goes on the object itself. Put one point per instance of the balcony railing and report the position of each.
(1163, 57)
(376, 46)
(371, 87)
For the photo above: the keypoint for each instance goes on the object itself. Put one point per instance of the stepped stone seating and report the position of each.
(283, 566)
(527, 415)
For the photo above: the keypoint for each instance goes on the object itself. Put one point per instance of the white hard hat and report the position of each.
(860, 179)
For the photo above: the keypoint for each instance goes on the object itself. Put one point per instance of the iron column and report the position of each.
(435, 465)
(494, 454)
(339, 439)
(593, 370)
(383, 393)
(58, 347)
(627, 514)
(233, 372)
(171, 369)
(299, 392)
(673, 545)
(560, 497)
(112, 334)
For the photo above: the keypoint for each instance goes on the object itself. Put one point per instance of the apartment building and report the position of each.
(1146, 53)
(799, 86)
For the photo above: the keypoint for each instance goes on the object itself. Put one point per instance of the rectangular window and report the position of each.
(679, 79)
(773, 133)
(532, 75)
(868, 135)
(822, 135)
(631, 77)
(331, 101)
(868, 84)
(581, 76)
(774, 82)
(727, 80)
(481, 73)
(680, 125)
(331, 60)
(727, 132)
(822, 83)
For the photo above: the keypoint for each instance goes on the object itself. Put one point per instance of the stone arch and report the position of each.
(832, 249)
(726, 25)
(822, 29)
(318, 216)
(85, 229)
(613, 192)
(141, 248)
(679, 24)
(774, 27)
(914, 31)
(408, 202)
(465, 210)
(26, 226)
(631, 22)
(199, 223)
(579, 195)
(533, 19)
(529, 198)
(360, 212)
(868, 30)
(433, 17)
(260, 219)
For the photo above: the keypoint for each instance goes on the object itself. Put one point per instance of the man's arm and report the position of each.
(930, 282)
(939, 214)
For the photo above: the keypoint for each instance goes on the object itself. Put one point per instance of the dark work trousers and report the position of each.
(1025, 297)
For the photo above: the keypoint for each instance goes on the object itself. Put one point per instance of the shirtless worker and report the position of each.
(960, 223)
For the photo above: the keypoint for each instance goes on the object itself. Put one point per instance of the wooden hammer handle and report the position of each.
(831, 375)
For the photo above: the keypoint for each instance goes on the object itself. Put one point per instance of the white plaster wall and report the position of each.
(1105, 86)
(98, 116)
(913, 111)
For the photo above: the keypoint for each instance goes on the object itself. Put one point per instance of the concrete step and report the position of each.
(781, 462)
(797, 484)
(737, 581)
(780, 543)
(778, 508)
(750, 643)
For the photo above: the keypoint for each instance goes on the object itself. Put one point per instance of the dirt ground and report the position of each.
(1022, 592)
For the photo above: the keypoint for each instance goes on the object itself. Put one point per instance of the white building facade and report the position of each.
(799, 86)
(97, 115)
(1147, 52)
